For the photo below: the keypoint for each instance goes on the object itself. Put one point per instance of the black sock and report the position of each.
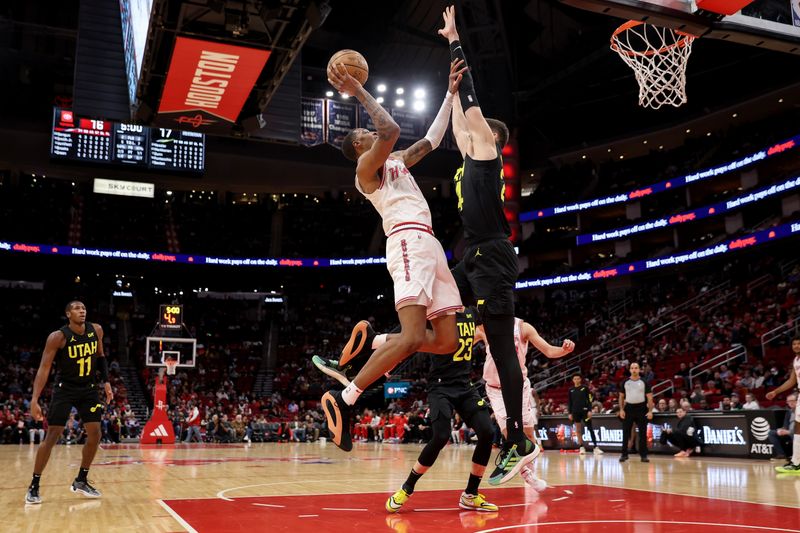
(466, 90)
(82, 474)
(408, 486)
(35, 480)
(472, 484)
(500, 334)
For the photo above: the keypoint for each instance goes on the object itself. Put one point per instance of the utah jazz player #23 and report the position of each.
(77, 350)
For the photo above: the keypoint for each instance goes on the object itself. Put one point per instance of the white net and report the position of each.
(658, 57)
(171, 365)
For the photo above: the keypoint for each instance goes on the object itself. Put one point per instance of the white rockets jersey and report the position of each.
(796, 365)
(398, 200)
(490, 369)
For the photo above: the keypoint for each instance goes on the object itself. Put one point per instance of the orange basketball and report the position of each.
(354, 62)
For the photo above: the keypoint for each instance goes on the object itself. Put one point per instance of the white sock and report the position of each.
(796, 450)
(379, 341)
(525, 470)
(351, 393)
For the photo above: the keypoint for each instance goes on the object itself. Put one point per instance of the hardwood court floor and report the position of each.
(305, 487)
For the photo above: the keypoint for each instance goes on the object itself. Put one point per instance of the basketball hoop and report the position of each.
(171, 365)
(658, 57)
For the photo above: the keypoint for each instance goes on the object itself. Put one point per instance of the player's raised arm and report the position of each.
(460, 130)
(483, 143)
(387, 129)
(553, 352)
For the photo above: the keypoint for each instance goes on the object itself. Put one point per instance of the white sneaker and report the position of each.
(582, 451)
(597, 451)
(531, 480)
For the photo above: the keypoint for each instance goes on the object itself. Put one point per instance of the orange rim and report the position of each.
(685, 39)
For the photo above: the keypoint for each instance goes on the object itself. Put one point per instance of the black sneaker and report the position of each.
(512, 458)
(645, 460)
(338, 414)
(32, 496)
(360, 342)
(331, 368)
(623, 458)
(83, 487)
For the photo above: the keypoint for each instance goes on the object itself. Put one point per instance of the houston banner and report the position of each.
(208, 83)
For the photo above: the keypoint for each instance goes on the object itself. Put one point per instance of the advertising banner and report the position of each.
(208, 83)
(341, 120)
(730, 434)
(312, 126)
(396, 389)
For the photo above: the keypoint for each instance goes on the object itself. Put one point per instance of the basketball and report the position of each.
(354, 62)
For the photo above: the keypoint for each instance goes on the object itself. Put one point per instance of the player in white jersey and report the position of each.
(524, 334)
(423, 285)
(793, 466)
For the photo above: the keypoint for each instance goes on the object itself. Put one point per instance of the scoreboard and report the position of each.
(101, 141)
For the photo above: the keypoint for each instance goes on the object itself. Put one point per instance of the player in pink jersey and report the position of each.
(524, 334)
(793, 466)
(423, 285)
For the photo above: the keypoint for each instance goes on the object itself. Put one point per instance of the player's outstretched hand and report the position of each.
(449, 31)
(456, 73)
(771, 395)
(568, 346)
(342, 81)
(109, 393)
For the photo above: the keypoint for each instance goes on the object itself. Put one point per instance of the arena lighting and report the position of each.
(654, 188)
(329, 94)
(381, 87)
(399, 90)
(399, 102)
(419, 93)
(719, 208)
(418, 105)
(379, 99)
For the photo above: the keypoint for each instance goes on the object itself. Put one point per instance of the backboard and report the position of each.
(159, 349)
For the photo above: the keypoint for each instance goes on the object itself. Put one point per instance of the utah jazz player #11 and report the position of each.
(77, 350)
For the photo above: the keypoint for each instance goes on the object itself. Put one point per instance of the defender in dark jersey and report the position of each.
(77, 350)
(449, 389)
(488, 272)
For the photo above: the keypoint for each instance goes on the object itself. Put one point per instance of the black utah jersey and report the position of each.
(75, 362)
(454, 369)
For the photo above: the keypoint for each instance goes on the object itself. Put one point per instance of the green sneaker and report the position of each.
(788, 468)
(510, 460)
(331, 368)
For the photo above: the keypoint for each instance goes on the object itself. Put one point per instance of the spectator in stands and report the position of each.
(35, 428)
(193, 423)
(750, 402)
(686, 405)
(239, 429)
(672, 405)
(698, 395)
(312, 429)
(298, 430)
(682, 435)
(781, 438)
(216, 431)
(661, 406)
(747, 381)
(725, 404)
(736, 403)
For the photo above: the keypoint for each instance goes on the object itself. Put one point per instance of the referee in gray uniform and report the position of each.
(635, 406)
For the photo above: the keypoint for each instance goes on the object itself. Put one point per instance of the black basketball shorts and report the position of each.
(86, 399)
(487, 275)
